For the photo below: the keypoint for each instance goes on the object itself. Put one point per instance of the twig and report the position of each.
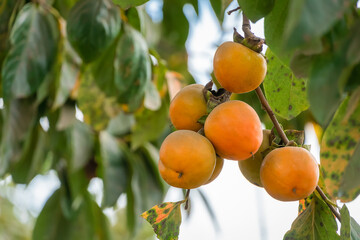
(271, 114)
(246, 27)
(234, 10)
(326, 200)
(187, 199)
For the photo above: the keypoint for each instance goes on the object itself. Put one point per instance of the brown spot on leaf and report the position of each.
(290, 107)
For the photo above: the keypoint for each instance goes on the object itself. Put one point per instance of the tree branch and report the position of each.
(247, 31)
(233, 10)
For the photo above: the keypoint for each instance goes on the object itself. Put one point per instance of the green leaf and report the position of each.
(87, 222)
(350, 229)
(353, 51)
(92, 26)
(316, 222)
(165, 219)
(32, 157)
(23, 73)
(256, 9)
(149, 125)
(113, 168)
(300, 28)
(133, 67)
(274, 27)
(152, 98)
(69, 70)
(324, 92)
(81, 139)
(129, 3)
(219, 8)
(19, 119)
(286, 93)
(338, 151)
(121, 124)
(96, 106)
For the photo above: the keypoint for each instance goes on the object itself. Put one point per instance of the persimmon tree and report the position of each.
(110, 61)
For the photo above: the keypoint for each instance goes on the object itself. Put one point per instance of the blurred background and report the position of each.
(228, 208)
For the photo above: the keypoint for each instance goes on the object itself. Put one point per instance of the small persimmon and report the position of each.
(187, 107)
(218, 167)
(289, 173)
(234, 128)
(238, 68)
(187, 159)
(250, 167)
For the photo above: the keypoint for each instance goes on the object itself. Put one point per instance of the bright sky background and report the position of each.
(242, 210)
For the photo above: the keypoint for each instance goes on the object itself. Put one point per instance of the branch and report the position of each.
(271, 114)
(247, 31)
(234, 10)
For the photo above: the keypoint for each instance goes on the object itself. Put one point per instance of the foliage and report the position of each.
(111, 62)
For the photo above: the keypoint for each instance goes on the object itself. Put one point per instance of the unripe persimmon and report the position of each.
(289, 173)
(238, 68)
(218, 167)
(250, 167)
(187, 107)
(234, 128)
(187, 159)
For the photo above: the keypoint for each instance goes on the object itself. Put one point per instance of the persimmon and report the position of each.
(218, 167)
(234, 128)
(238, 68)
(187, 107)
(289, 173)
(250, 167)
(187, 159)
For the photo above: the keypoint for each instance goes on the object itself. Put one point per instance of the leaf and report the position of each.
(88, 222)
(149, 125)
(113, 168)
(353, 52)
(256, 9)
(132, 67)
(129, 3)
(350, 229)
(22, 72)
(92, 26)
(351, 178)
(165, 219)
(324, 93)
(69, 69)
(286, 93)
(19, 119)
(338, 147)
(274, 27)
(316, 222)
(219, 8)
(32, 158)
(81, 138)
(96, 106)
(300, 28)
(152, 100)
(121, 124)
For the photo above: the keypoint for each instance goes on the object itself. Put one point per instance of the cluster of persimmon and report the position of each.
(232, 130)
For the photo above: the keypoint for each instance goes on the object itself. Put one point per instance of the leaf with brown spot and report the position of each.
(338, 156)
(316, 222)
(165, 219)
(283, 90)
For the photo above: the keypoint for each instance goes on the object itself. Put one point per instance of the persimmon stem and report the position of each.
(187, 199)
(271, 114)
(326, 200)
(233, 10)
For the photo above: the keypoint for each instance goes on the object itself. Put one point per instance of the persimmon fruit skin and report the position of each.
(218, 167)
(187, 107)
(289, 173)
(234, 128)
(187, 159)
(250, 167)
(238, 68)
